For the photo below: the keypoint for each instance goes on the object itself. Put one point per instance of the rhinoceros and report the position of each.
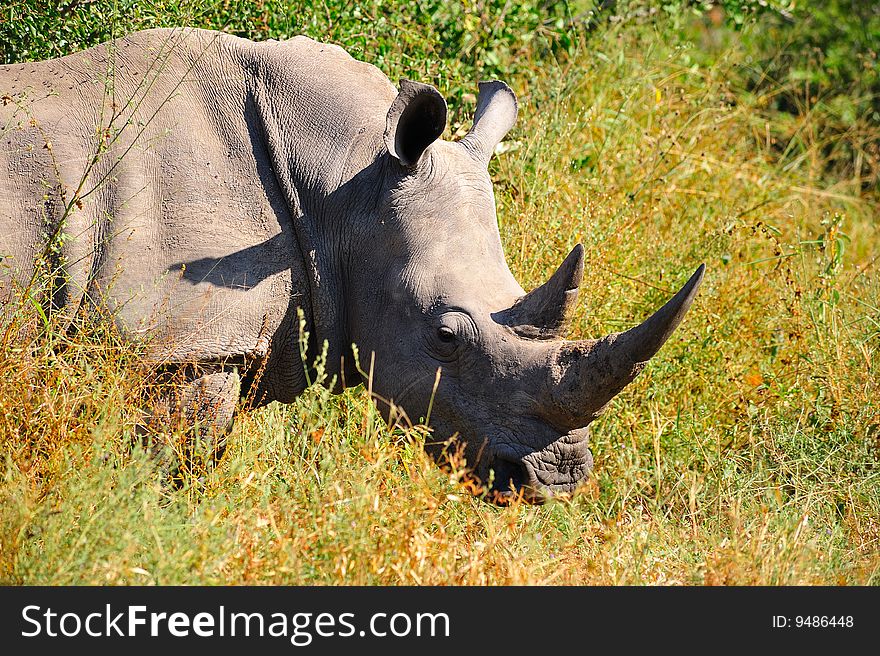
(206, 191)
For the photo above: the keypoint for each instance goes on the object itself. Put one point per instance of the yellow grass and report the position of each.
(747, 453)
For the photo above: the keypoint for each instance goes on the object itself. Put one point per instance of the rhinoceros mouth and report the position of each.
(516, 481)
(510, 478)
(538, 476)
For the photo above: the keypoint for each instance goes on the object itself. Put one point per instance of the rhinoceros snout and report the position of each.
(554, 471)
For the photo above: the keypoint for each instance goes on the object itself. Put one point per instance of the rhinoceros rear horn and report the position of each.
(544, 312)
(495, 115)
(416, 119)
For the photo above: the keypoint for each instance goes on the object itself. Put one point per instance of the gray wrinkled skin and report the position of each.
(241, 181)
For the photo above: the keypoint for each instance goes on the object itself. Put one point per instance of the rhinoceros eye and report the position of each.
(445, 334)
(452, 330)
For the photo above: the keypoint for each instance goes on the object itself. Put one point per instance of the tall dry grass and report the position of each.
(747, 452)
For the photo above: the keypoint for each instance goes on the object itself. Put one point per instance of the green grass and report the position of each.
(747, 453)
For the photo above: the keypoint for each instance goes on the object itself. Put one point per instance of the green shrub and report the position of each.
(824, 62)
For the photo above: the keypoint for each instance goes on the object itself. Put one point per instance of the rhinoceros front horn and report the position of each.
(585, 375)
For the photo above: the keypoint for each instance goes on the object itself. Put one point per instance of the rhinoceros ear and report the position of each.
(416, 119)
(495, 115)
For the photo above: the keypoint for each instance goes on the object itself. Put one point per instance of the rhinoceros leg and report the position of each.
(186, 429)
(208, 401)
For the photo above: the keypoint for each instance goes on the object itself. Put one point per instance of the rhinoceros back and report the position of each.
(140, 169)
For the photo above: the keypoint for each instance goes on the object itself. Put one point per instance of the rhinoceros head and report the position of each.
(455, 340)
